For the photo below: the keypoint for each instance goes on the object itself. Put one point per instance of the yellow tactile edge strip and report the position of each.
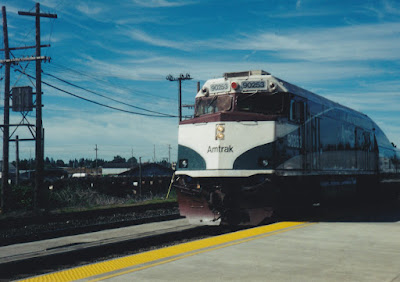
(123, 265)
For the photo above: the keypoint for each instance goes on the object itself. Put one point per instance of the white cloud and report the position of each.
(298, 4)
(161, 3)
(12, 10)
(156, 41)
(88, 10)
(350, 43)
(383, 8)
(295, 72)
(48, 3)
(154, 67)
(391, 8)
(141, 18)
(384, 102)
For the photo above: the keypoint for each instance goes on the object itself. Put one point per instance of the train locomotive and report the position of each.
(257, 142)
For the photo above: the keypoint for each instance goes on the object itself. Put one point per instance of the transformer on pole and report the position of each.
(22, 99)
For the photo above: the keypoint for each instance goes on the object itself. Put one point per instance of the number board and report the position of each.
(253, 84)
(217, 87)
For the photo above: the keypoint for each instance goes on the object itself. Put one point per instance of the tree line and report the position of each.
(29, 164)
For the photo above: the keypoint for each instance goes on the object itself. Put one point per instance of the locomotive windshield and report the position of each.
(260, 103)
(214, 104)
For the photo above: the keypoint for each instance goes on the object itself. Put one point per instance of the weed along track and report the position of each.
(17, 230)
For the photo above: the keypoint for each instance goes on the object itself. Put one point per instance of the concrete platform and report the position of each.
(319, 252)
(329, 251)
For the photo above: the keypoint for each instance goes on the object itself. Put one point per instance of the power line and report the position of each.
(179, 79)
(80, 74)
(94, 102)
(51, 33)
(104, 96)
(72, 73)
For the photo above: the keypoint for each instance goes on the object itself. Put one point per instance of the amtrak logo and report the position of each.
(220, 149)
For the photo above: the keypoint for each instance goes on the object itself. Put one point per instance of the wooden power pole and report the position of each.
(17, 160)
(169, 154)
(179, 79)
(6, 125)
(5, 191)
(96, 149)
(39, 154)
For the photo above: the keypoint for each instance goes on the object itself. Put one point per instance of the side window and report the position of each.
(301, 111)
(296, 111)
(292, 110)
(373, 143)
(360, 141)
(367, 142)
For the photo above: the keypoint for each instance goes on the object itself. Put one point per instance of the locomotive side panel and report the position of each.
(345, 146)
(326, 142)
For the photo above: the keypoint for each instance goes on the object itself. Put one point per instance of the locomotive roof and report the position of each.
(263, 82)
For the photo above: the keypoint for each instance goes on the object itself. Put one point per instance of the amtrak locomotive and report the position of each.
(257, 142)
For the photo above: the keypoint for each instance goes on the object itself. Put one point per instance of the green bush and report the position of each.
(81, 197)
(21, 197)
(79, 193)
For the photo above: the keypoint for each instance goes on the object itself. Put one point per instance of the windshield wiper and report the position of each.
(246, 97)
(213, 100)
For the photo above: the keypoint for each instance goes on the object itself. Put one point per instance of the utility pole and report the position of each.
(132, 157)
(140, 176)
(6, 124)
(5, 191)
(37, 194)
(179, 79)
(154, 153)
(169, 154)
(16, 160)
(96, 160)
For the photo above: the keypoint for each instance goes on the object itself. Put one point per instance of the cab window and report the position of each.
(296, 111)
(260, 103)
(214, 104)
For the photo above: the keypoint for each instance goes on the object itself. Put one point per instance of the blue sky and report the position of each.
(347, 51)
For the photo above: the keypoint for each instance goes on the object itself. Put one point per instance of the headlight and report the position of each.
(263, 162)
(183, 163)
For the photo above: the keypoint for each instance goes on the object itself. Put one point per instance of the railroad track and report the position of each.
(15, 230)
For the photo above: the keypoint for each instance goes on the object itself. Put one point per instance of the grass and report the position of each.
(73, 196)
(128, 204)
